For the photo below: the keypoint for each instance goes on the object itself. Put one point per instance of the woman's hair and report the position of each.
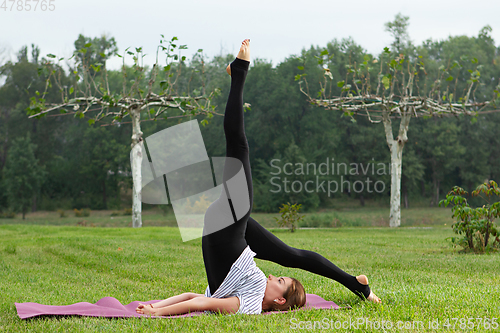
(295, 297)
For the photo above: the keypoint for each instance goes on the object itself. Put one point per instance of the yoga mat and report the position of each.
(111, 307)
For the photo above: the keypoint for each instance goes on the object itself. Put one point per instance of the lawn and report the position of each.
(421, 279)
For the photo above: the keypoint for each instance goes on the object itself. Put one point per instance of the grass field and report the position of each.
(413, 269)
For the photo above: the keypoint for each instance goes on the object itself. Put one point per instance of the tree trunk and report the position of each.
(361, 199)
(136, 164)
(396, 148)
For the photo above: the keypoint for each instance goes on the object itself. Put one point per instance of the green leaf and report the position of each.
(91, 121)
(200, 50)
(300, 68)
(50, 55)
(167, 68)
(88, 45)
(324, 52)
(386, 82)
(174, 38)
(340, 84)
(449, 78)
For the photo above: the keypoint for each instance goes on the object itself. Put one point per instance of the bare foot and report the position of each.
(243, 54)
(145, 309)
(372, 297)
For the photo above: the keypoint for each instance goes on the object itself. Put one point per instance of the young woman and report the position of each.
(235, 283)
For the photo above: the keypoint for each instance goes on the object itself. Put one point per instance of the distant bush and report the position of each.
(86, 212)
(115, 213)
(127, 211)
(78, 212)
(320, 221)
(9, 214)
(289, 216)
(166, 209)
(62, 213)
(329, 220)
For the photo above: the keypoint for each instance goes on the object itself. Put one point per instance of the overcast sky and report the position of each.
(277, 28)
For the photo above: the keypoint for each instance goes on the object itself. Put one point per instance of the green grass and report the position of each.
(414, 271)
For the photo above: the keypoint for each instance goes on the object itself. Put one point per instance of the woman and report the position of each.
(235, 283)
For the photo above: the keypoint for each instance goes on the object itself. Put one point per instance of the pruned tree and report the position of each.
(142, 97)
(398, 94)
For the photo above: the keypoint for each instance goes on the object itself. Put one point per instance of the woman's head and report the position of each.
(283, 293)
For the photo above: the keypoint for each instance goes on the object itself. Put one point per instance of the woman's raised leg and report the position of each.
(223, 247)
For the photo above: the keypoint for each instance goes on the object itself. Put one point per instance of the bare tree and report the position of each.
(90, 91)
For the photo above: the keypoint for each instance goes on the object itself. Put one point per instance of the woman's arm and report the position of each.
(223, 305)
(176, 299)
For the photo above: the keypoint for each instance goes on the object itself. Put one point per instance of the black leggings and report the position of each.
(223, 247)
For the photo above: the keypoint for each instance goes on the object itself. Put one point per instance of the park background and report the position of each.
(88, 167)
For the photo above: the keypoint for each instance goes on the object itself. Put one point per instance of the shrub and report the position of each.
(127, 211)
(115, 213)
(86, 212)
(166, 209)
(289, 216)
(476, 225)
(62, 213)
(320, 221)
(78, 212)
(9, 214)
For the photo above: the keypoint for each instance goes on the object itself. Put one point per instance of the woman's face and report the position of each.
(276, 287)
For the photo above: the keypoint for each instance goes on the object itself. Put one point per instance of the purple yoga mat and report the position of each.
(111, 307)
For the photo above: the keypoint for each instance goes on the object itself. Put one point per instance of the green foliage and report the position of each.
(476, 225)
(127, 211)
(23, 176)
(82, 212)
(329, 220)
(62, 212)
(289, 216)
(115, 213)
(8, 214)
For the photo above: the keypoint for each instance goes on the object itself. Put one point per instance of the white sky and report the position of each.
(277, 29)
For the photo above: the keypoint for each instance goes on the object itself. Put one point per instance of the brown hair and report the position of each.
(295, 297)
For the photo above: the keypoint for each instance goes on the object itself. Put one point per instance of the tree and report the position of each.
(23, 176)
(394, 95)
(141, 95)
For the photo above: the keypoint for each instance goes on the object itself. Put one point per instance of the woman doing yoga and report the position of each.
(235, 283)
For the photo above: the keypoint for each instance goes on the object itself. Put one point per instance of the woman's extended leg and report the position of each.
(271, 248)
(223, 247)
